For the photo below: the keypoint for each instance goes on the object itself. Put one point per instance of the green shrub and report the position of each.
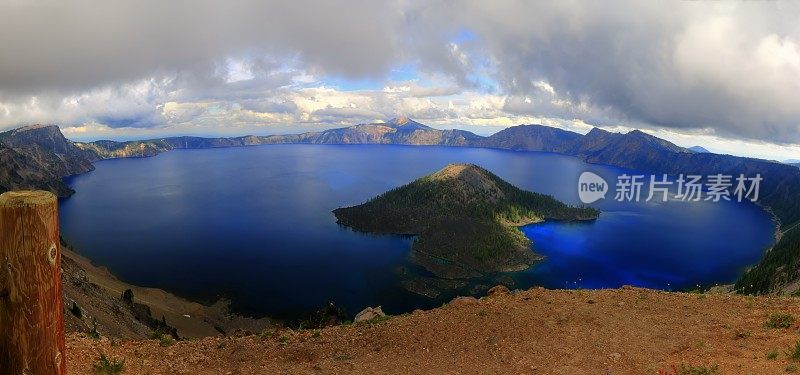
(742, 334)
(779, 320)
(94, 334)
(108, 366)
(773, 354)
(794, 352)
(266, 334)
(163, 339)
(342, 357)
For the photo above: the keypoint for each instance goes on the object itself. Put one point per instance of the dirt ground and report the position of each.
(624, 331)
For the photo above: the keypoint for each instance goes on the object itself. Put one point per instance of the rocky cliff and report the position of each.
(39, 157)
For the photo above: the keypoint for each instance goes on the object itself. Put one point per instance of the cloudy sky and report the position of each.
(725, 75)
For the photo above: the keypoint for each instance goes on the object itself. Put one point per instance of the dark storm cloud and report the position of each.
(733, 67)
(80, 44)
(730, 66)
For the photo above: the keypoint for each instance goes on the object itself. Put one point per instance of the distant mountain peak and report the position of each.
(35, 127)
(662, 143)
(47, 136)
(699, 150)
(598, 131)
(400, 120)
(405, 123)
(39, 157)
(639, 133)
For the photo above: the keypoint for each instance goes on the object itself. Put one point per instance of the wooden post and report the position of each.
(31, 307)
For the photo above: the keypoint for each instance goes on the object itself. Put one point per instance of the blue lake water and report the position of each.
(254, 225)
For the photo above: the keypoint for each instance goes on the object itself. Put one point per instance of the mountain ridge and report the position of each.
(634, 150)
(31, 165)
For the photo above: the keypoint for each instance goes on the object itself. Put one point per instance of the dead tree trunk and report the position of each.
(31, 307)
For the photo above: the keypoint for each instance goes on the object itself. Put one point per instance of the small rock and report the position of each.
(463, 301)
(506, 280)
(478, 289)
(721, 289)
(498, 290)
(368, 314)
(241, 333)
(591, 301)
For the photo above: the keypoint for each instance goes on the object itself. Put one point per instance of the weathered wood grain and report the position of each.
(31, 308)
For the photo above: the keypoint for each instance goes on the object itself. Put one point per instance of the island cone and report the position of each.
(466, 219)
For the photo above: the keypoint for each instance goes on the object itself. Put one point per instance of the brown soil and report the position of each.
(625, 331)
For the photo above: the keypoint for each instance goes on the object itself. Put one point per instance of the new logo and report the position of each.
(591, 187)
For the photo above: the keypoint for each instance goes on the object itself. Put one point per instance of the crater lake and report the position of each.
(254, 225)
